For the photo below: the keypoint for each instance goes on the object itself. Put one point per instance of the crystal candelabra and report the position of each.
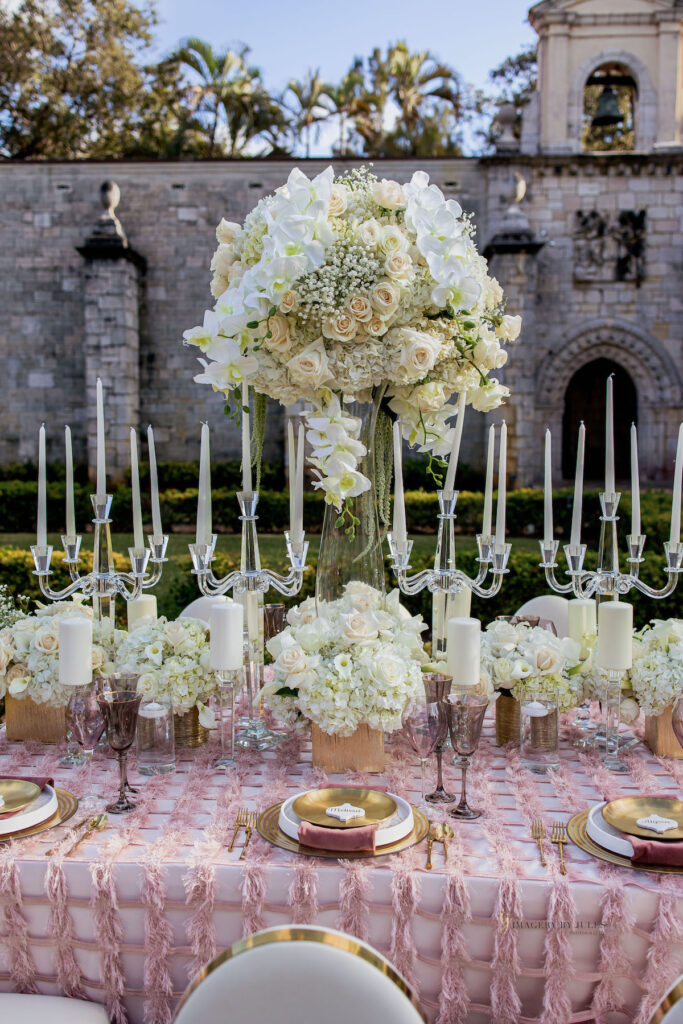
(104, 582)
(249, 583)
(607, 580)
(445, 580)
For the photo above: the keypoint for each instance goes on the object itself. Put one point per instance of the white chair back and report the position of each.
(17, 1008)
(670, 1010)
(199, 608)
(297, 974)
(549, 606)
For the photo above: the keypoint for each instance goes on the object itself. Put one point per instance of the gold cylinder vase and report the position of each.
(26, 720)
(361, 752)
(188, 730)
(507, 720)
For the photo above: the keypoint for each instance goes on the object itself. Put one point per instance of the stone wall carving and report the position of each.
(609, 247)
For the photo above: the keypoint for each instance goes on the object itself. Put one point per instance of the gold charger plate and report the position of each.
(66, 807)
(267, 826)
(311, 807)
(576, 829)
(623, 814)
(16, 795)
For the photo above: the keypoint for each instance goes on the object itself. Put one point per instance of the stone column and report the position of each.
(112, 333)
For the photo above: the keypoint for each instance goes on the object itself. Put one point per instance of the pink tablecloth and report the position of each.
(492, 936)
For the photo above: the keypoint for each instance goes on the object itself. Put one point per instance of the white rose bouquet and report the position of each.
(357, 662)
(29, 653)
(657, 671)
(172, 660)
(354, 289)
(526, 660)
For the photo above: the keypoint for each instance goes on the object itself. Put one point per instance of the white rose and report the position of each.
(392, 241)
(429, 397)
(384, 296)
(548, 660)
(387, 669)
(376, 327)
(338, 201)
(358, 627)
(488, 397)
(340, 327)
(279, 340)
(388, 194)
(488, 355)
(310, 367)
(359, 307)
(176, 634)
(502, 670)
(6, 652)
(227, 231)
(291, 660)
(223, 259)
(370, 232)
(399, 266)
(47, 640)
(509, 328)
(418, 354)
(629, 710)
(313, 635)
(289, 303)
(493, 293)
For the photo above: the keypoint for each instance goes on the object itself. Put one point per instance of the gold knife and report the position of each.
(68, 835)
(96, 824)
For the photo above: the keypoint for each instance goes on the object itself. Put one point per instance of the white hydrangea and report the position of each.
(527, 660)
(657, 672)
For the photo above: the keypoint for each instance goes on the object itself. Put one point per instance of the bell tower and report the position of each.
(610, 77)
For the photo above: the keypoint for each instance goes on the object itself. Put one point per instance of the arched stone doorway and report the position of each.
(584, 400)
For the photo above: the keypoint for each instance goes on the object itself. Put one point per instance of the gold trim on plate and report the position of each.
(306, 933)
(623, 814)
(267, 826)
(576, 829)
(673, 996)
(67, 804)
(379, 807)
(16, 795)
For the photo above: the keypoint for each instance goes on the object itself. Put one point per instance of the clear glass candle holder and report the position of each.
(539, 733)
(155, 737)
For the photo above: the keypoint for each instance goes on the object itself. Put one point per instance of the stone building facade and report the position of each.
(588, 247)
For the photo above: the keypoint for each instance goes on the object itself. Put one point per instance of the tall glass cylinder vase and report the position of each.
(351, 542)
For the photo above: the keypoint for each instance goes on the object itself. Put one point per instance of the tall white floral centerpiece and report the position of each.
(367, 300)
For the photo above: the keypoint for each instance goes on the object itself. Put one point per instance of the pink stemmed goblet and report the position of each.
(465, 715)
(424, 723)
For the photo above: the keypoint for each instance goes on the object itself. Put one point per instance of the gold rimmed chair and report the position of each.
(296, 974)
(670, 1010)
(17, 1008)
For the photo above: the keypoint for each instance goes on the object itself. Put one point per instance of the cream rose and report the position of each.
(6, 652)
(419, 352)
(429, 397)
(384, 297)
(358, 627)
(98, 657)
(392, 240)
(291, 661)
(223, 259)
(341, 327)
(360, 308)
(338, 201)
(370, 232)
(509, 328)
(548, 660)
(376, 327)
(227, 231)
(310, 367)
(388, 669)
(47, 640)
(279, 340)
(488, 397)
(289, 303)
(399, 266)
(176, 634)
(388, 194)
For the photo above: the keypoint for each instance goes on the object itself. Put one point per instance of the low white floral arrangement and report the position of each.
(657, 672)
(172, 660)
(351, 662)
(527, 660)
(29, 652)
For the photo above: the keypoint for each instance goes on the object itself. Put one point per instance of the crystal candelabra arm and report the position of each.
(157, 556)
(297, 550)
(400, 558)
(72, 552)
(42, 556)
(549, 563)
(500, 554)
(674, 559)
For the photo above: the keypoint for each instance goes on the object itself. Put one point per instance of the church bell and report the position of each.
(607, 114)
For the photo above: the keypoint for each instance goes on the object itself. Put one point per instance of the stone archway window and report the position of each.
(609, 109)
(584, 400)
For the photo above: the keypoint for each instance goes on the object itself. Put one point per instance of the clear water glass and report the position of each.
(155, 738)
(539, 733)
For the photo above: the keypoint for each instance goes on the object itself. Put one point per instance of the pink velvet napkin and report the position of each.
(668, 852)
(342, 840)
(40, 781)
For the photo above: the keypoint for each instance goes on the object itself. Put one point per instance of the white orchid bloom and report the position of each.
(204, 335)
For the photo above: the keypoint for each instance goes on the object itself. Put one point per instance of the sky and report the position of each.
(287, 38)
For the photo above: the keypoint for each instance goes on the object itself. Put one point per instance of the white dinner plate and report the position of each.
(606, 835)
(42, 808)
(397, 828)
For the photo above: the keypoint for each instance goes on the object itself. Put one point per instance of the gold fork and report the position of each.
(250, 826)
(240, 822)
(559, 836)
(538, 833)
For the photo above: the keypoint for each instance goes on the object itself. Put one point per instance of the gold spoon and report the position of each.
(96, 824)
(434, 836)
(447, 833)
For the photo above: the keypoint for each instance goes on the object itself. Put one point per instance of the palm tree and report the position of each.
(308, 95)
(348, 100)
(417, 83)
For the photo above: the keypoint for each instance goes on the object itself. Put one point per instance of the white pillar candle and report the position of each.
(226, 628)
(463, 651)
(41, 523)
(460, 604)
(400, 531)
(635, 484)
(582, 620)
(575, 536)
(75, 650)
(455, 449)
(138, 538)
(609, 439)
(548, 491)
(143, 607)
(204, 497)
(615, 635)
(157, 531)
(299, 488)
(291, 472)
(675, 535)
(488, 490)
(246, 443)
(101, 458)
(70, 514)
(502, 472)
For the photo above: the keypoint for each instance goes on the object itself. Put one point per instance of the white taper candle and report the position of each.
(399, 530)
(70, 513)
(41, 522)
(101, 457)
(455, 449)
(502, 487)
(138, 538)
(609, 438)
(488, 489)
(157, 531)
(675, 535)
(577, 507)
(635, 484)
(548, 491)
(299, 489)
(246, 443)
(291, 472)
(204, 497)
